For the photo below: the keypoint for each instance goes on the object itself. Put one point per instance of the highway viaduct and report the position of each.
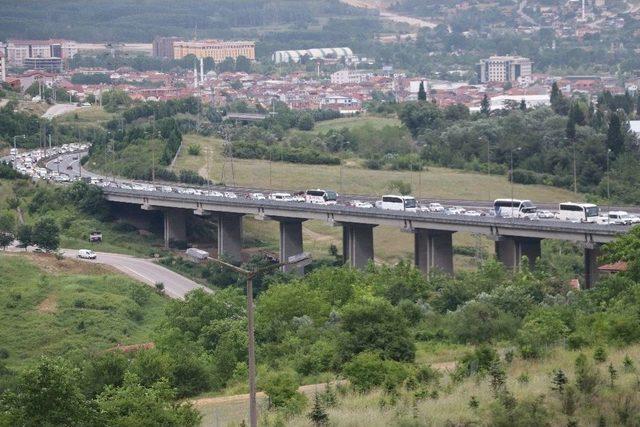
(433, 248)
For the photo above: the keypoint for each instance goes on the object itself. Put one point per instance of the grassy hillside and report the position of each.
(526, 380)
(55, 307)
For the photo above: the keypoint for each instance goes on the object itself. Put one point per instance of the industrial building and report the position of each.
(503, 69)
(285, 56)
(19, 50)
(52, 64)
(217, 49)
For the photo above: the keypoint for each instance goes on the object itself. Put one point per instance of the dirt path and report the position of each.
(391, 16)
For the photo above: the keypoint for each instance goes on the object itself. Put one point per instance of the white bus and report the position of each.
(578, 212)
(321, 197)
(398, 203)
(513, 208)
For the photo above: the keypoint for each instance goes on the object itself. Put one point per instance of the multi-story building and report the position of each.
(504, 69)
(3, 67)
(350, 77)
(19, 50)
(52, 64)
(217, 49)
(163, 46)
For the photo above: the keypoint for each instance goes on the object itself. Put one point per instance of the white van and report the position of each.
(281, 197)
(86, 254)
(397, 203)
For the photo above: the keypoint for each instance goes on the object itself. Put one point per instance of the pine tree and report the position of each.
(484, 105)
(498, 378)
(318, 416)
(615, 137)
(523, 105)
(571, 123)
(422, 94)
(559, 381)
(613, 374)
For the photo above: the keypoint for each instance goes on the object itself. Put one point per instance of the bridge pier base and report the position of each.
(290, 243)
(510, 250)
(175, 226)
(357, 244)
(230, 236)
(591, 274)
(434, 251)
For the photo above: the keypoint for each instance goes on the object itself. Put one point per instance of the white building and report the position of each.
(3, 68)
(350, 77)
(19, 50)
(284, 56)
(502, 101)
(505, 69)
(344, 104)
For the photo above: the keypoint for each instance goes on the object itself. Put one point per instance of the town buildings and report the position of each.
(503, 69)
(3, 67)
(19, 50)
(348, 76)
(218, 50)
(52, 64)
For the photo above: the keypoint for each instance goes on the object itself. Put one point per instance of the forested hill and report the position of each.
(141, 20)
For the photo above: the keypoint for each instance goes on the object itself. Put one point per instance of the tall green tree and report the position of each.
(485, 107)
(558, 102)
(46, 234)
(422, 94)
(615, 134)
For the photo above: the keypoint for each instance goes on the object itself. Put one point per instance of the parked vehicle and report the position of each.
(578, 212)
(321, 197)
(86, 254)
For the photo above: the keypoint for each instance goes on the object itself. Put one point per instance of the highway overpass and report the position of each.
(514, 238)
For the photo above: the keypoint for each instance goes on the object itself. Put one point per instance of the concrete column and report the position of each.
(434, 251)
(290, 243)
(175, 226)
(591, 274)
(510, 250)
(358, 244)
(230, 236)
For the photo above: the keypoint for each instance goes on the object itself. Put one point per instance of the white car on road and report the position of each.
(86, 254)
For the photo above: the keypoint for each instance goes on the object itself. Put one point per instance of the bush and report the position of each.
(281, 387)
(194, 150)
(367, 370)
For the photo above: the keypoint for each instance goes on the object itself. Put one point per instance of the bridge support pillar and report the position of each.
(290, 242)
(510, 250)
(175, 226)
(230, 236)
(591, 273)
(434, 251)
(357, 244)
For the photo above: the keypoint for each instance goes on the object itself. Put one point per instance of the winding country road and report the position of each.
(391, 16)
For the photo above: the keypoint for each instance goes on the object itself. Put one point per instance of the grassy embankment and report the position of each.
(56, 307)
(391, 244)
(452, 402)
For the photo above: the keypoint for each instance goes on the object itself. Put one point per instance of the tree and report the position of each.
(47, 395)
(46, 234)
(306, 122)
(523, 105)
(281, 387)
(133, 404)
(243, 64)
(615, 134)
(559, 381)
(485, 106)
(5, 239)
(498, 377)
(571, 123)
(404, 188)
(422, 94)
(318, 415)
(24, 235)
(559, 103)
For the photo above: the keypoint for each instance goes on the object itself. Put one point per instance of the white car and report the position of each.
(454, 210)
(436, 207)
(86, 254)
(472, 213)
(361, 204)
(544, 214)
(230, 195)
(214, 193)
(281, 197)
(166, 189)
(257, 196)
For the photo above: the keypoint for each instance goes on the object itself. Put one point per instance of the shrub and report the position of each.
(281, 387)
(194, 150)
(367, 370)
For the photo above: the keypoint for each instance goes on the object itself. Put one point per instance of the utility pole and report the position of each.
(300, 260)
(575, 175)
(608, 183)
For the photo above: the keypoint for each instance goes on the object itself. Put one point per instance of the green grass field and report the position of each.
(56, 307)
(353, 122)
(391, 244)
(85, 116)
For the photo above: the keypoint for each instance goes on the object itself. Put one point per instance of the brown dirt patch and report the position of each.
(50, 265)
(49, 305)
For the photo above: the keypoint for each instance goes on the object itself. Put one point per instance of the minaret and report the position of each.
(584, 13)
(195, 77)
(201, 71)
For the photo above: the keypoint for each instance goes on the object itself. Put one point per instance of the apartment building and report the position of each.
(504, 69)
(286, 56)
(163, 46)
(19, 50)
(350, 77)
(217, 49)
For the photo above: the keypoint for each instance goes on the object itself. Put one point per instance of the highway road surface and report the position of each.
(144, 270)
(59, 109)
